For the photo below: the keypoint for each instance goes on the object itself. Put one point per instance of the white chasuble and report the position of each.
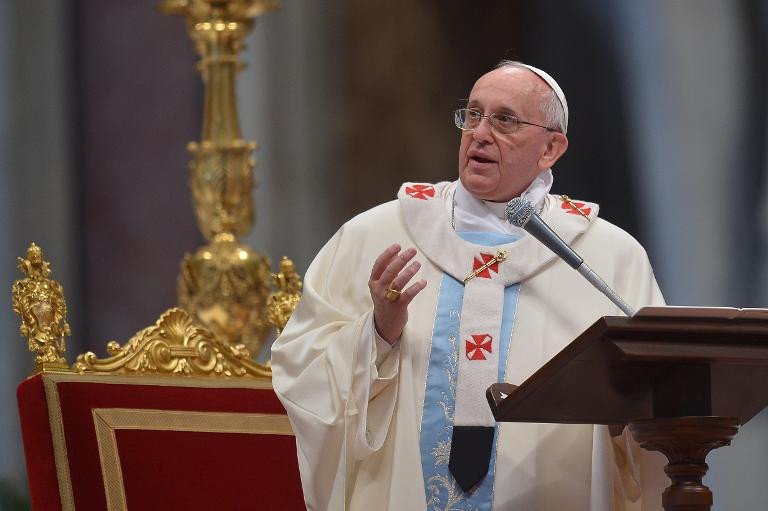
(360, 413)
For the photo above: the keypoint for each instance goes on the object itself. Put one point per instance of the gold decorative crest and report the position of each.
(39, 301)
(281, 303)
(175, 345)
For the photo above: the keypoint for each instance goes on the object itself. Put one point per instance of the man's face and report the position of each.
(499, 167)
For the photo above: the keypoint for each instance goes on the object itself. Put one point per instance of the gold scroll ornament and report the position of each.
(174, 345)
(39, 301)
(226, 284)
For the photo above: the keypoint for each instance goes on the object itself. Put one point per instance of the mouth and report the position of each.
(480, 159)
(481, 163)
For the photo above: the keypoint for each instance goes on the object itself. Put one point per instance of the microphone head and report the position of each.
(519, 211)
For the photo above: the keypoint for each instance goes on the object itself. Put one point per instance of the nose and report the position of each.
(482, 133)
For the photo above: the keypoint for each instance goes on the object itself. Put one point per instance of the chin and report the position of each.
(479, 186)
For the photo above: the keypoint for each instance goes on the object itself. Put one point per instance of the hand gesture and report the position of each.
(387, 286)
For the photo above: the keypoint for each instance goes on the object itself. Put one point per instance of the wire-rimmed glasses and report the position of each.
(467, 119)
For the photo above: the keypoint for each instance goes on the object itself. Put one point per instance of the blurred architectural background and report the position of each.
(98, 98)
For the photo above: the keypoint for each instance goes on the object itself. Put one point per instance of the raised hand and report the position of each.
(389, 276)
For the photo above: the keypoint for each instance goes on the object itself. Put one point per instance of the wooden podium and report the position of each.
(682, 379)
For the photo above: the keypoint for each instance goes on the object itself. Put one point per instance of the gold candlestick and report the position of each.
(224, 284)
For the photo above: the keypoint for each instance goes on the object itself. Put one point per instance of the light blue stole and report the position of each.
(442, 491)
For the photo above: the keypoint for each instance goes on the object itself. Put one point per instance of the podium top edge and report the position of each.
(721, 313)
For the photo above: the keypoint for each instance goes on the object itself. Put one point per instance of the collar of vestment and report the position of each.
(476, 215)
(426, 211)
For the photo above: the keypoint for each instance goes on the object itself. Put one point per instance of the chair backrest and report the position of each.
(118, 442)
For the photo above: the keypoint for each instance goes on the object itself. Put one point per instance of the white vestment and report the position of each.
(356, 405)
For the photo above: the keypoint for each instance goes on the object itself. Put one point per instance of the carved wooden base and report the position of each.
(685, 441)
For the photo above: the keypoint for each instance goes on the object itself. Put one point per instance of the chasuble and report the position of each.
(374, 423)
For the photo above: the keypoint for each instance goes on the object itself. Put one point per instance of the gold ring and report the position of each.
(392, 294)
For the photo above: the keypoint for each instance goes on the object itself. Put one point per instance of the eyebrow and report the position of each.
(502, 110)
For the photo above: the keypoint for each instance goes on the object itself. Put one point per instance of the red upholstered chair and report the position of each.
(169, 424)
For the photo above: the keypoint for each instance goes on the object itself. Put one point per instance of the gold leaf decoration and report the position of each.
(281, 303)
(39, 301)
(175, 345)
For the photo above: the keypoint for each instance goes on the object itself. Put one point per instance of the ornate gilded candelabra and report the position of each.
(225, 284)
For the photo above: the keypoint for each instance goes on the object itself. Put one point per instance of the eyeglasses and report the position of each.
(467, 119)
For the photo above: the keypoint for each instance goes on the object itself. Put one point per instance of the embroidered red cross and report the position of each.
(480, 343)
(422, 192)
(485, 259)
(575, 208)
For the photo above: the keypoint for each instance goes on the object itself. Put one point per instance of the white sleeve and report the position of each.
(337, 385)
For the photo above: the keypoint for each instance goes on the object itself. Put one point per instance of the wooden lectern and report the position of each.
(683, 379)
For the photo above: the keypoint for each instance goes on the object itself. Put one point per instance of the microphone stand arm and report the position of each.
(604, 288)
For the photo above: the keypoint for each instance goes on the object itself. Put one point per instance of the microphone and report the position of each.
(521, 213)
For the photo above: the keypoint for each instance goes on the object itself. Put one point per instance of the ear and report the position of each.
(555, 148)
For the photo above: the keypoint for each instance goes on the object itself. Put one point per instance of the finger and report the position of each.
(396, 266)
(410, 293)
(383, 260)
(405, 276)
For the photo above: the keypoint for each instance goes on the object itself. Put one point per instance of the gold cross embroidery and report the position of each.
(567, 199)
(499, 257)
